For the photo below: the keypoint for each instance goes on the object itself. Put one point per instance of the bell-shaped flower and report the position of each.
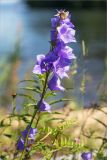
(39, 68)
(86, 156)
(61, 67)
(54, 84)
(66, 34)
(20, 144)
(44, 63)
(66, 52)
(44, 106)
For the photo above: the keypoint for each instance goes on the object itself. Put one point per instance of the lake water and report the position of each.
(32, 27)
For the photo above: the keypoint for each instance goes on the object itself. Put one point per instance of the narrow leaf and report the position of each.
(60, 100)
(30, 89)
(27, 96)
(29, 80)
(7, 135)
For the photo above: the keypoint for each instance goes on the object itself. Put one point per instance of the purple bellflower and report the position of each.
(44, 63)
(61, 68)
(66, 34)
(20, 144)
(54, 84)
(39, 69)
(31, 136)
(86, 156)
(44, 106)
(66, 52)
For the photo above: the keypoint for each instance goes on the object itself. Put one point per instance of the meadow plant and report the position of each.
(39, 136)
(52, 67)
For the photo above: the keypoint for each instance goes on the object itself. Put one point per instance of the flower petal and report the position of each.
(55, 84)
(44, 106)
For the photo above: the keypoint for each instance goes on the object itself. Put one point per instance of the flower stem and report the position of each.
(34, 114)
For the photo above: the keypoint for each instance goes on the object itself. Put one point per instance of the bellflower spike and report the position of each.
(44, 106)
(66, 34)
(86, 156)
(54, 84)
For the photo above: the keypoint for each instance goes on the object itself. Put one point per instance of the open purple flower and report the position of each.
(44, 106)
(44, 63)
(86, 156)
(61, 67)
(55, 84)
(66, 52)
(66, 34)
(39, 68)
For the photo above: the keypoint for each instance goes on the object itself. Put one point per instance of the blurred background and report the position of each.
(25, 32)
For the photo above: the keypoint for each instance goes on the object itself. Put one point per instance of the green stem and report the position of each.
(38, 106)
(37, 119)
(54, 153)
(27, 135)
(13, 104)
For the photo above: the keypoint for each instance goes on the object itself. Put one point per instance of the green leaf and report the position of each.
(25, 119)
(56, 113)
(30, 105)
(60, 100)
(31, 89)
(29, 80)
(7, 135)
(50, 94)
(2, 124)
(53, 119)
(65, 125)
(27, 96)
(69, 88)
